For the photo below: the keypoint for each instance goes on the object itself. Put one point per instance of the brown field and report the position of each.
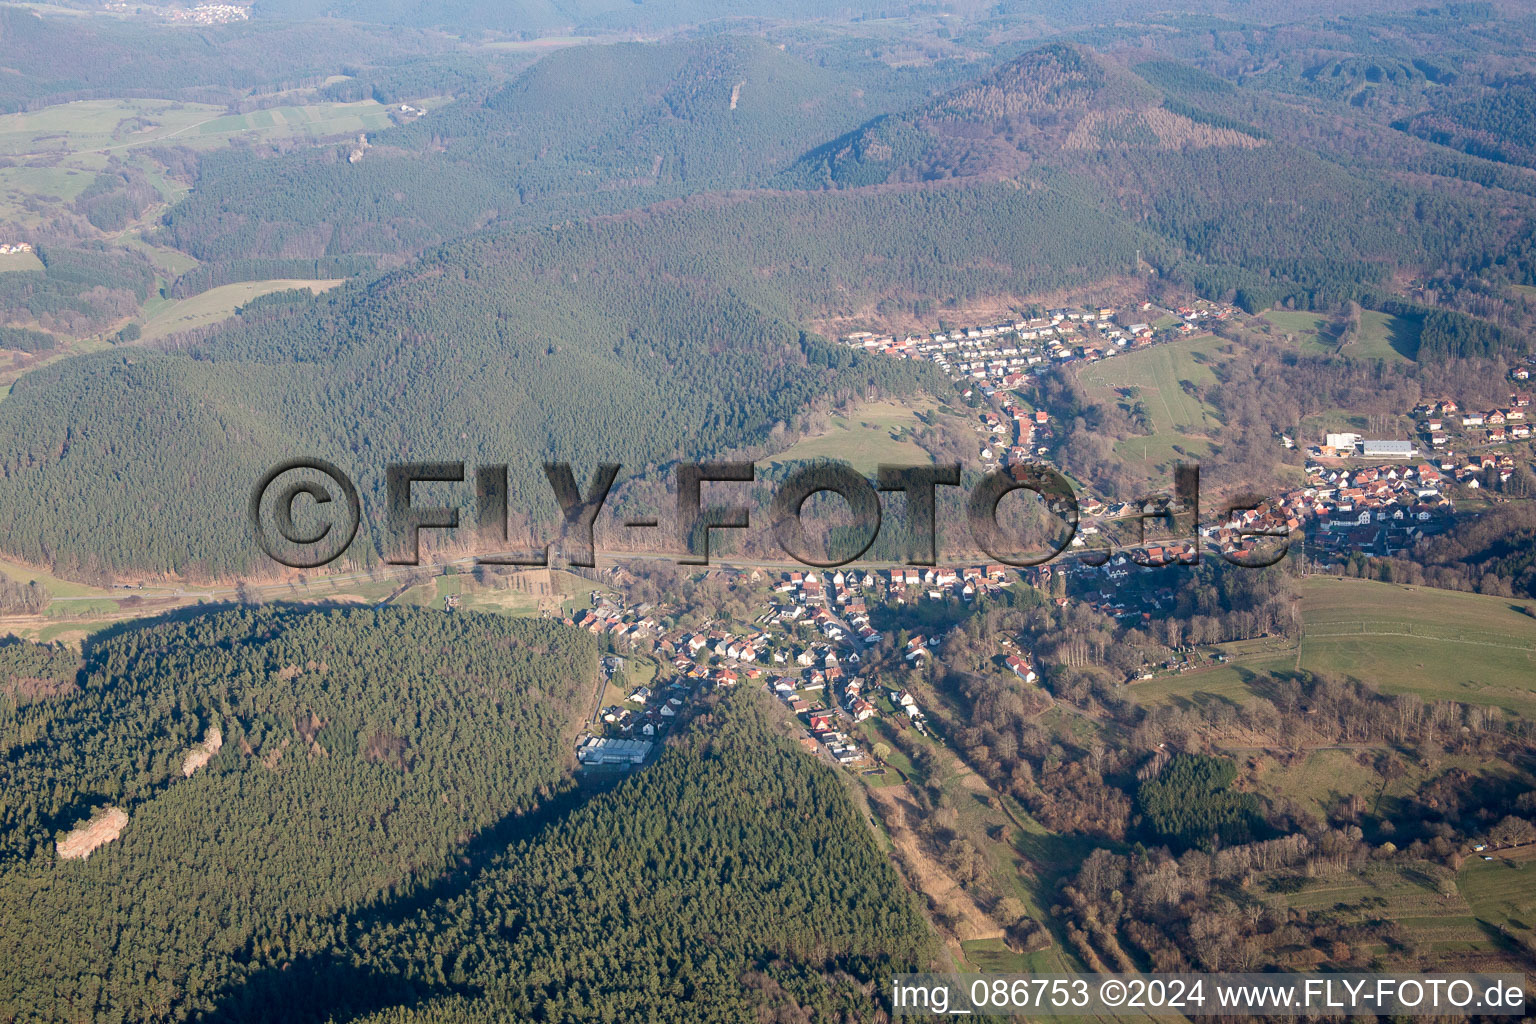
(923, 873)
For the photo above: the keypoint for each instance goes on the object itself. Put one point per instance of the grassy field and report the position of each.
(98, 126)
(872, 433)
(1440, 644)
(78, 610)
(1320, 778)
(1164, 449)
(19, 261)
(1159, 373)
(220, 303)
(1181, 423)
(1382, 336)
(540, 44)
(1502, 892)
(1302, 325)
(56, 152)
(56, 586)
(1226, 682)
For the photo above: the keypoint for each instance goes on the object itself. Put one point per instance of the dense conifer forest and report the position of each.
(277, 770)
(733, 879)
(298, 788)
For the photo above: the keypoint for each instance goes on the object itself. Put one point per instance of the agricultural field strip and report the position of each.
(1457, 637)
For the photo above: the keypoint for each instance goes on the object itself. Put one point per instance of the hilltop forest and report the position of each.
(313, 806)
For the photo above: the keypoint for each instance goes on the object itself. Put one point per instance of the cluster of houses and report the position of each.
(808, 595)
(1440, 421)
(998, 357)
(1013, 436)
(7, 248)
(205, 14)
(1374, 509)
(816, 672)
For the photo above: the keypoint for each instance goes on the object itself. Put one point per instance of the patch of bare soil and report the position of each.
(100, 830)
(966, 918)
(201, 754)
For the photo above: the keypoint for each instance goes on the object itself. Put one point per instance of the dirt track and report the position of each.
(924, 873)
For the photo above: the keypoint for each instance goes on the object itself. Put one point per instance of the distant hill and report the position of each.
(546, 17)
(586, 130)
(1053, 100)
(58, 58)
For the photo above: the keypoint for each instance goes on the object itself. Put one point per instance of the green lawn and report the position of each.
(1320, 778)
(1160, 373)
(874, 432)
(1228, 682)
(1162, 450)
(56, 587)
(1304, 326)
(19, 261)
(220, 303)
(1502, 892)
(1382, 335)
(1440, 644)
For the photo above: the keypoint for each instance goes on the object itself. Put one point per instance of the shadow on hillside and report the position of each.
(187, 613)
(1403, 336)
(327, 986)
(320, 988)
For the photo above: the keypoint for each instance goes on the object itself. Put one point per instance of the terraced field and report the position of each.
(1440, 919)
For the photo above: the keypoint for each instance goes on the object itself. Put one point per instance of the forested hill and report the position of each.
(637, 339)
(731, 881)
(271, 774)
(541, 17)
(586, 129)
(58, 59)
(1244, 199)
(1053, 99)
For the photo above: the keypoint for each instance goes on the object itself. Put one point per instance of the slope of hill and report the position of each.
(267, 774)
(731, 881)
(55, 59)
(637, 339)
(1055, 98)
